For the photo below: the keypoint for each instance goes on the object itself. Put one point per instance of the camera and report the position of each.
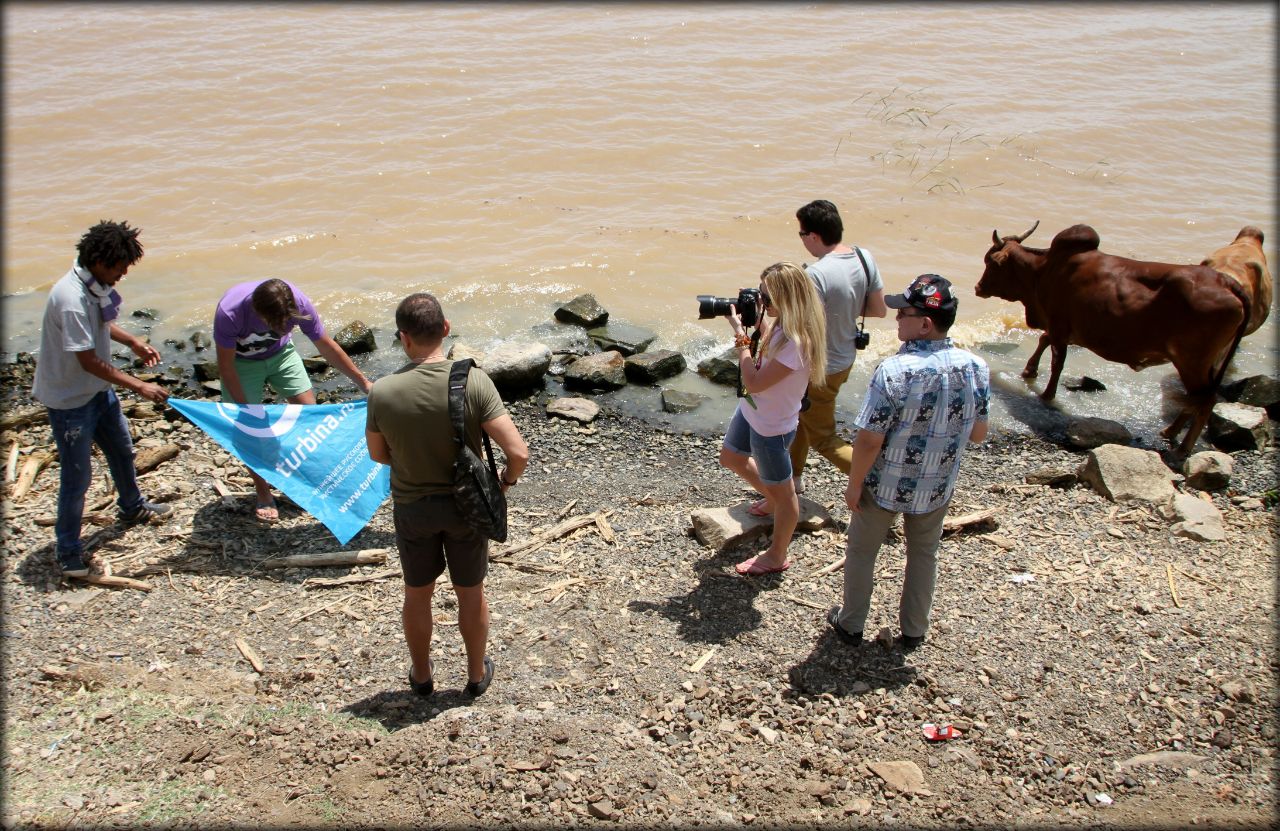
(862, 339)
(747, 304)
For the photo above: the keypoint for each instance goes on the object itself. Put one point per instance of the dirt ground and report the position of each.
(1125, 678)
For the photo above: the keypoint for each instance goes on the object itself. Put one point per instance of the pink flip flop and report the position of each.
(760, 508)
(752, 568)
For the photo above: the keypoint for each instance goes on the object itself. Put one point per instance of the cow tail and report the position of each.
(1243, 296)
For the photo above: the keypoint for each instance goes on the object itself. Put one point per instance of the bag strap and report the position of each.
(866, 273)
(458, 373)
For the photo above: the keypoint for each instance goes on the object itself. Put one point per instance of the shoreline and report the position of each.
(638, 679)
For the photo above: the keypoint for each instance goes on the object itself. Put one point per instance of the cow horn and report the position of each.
(995, 238)
(1028, 233)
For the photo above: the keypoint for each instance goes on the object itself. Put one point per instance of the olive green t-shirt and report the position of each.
(410, 408)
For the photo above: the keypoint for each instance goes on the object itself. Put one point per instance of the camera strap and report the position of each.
(866, 274)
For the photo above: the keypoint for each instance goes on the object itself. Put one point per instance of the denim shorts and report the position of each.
(770, 452)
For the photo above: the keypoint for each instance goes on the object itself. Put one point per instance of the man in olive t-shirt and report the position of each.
(408, 427)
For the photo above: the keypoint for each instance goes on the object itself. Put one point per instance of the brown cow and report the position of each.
(1244, 261)
(1132, 312)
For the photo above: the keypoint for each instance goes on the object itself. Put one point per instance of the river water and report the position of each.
(510, 157)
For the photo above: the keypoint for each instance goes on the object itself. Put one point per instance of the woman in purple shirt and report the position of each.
(252, 327)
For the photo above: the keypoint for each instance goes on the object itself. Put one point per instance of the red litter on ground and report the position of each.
(939, 732)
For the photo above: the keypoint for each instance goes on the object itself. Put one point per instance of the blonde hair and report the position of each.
(800, 315)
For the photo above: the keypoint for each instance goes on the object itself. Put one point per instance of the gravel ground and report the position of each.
(639, 681)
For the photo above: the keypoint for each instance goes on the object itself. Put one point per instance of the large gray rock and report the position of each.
(622, 337)
(1128, 474)
(1088, 433)
(206, 371)
(1195, 518)
(574, 409)
(314, 365)
(1238, 427)
(460, 351)
(1256, 391)
(678, 401)
(651, 367)
(355, 338)
(721, 369)
(517, 365)
(583, 310)
(722, 528)
(1208, 471)
(604, 370)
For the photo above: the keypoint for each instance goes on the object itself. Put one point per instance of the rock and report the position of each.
(603, 809)
(1222, 739)
(721, 369)
(575, 409)
(1195, 518)
(1238, 427)
(1256, 391)
(582, 310)
(902, 776)
(767, 733)
(1052, 476)
(1085, 384)
(1164, 758)
(651, 367)
(146, 314)
(1208, 471)
(517, 366)
(860, 806)
(206, 371)
(1238, 689)
(355, 338)
(1127, 474)
(459, 351)
(213, 387)
(622, 337)
(604, 370)
(720, 528)
(315, 365)
(200, 341)
(676, 401)
(1088, 433)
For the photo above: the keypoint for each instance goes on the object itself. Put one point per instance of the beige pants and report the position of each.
(817, 428)
(866, 533)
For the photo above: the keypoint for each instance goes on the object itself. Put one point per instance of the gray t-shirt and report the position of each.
(72, 323)
(843, 288)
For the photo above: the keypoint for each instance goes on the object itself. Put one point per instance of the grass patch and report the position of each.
(174, 800)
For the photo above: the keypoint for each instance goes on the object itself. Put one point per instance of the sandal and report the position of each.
(754, 568)
(267, 511)
(760, 508)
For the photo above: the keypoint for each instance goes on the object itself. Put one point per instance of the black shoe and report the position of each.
(910, 642)
(422, 688)
(73, 565)
(147, 512)
(851, 638)
(475, 688)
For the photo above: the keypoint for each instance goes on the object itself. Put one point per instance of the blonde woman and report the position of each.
(792, 355)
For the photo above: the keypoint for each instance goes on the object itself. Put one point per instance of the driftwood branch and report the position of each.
(363, 557)
(249, 655)
(30, 470)
(976, 518)
(26, 418)
(327, 582)
(11, 469)
(554, 533)
(115, 581)
(150, 458)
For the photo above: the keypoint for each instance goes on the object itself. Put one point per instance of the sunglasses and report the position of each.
(805, 233)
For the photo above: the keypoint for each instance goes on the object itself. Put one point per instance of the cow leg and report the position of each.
(1170, 432)
(1033, 364)
(1057, 359)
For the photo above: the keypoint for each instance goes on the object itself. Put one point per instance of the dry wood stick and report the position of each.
(319, 609)
(564, 512)
(701, 662)
(1168, 571)
(606, 530)
(326, 582)
(804, 602)
(365, 556)
(11, 469)
(30, 470)
(249, 655)
(956, 523)
(563, 584)
(827, 569)
(555, 532)
(113, 580)
(1199, 579)
(24, 418)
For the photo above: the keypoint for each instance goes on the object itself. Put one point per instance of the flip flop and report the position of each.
(760, 508)
(267, 511)
(753, 568)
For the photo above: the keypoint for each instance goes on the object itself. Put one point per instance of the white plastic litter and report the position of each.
(1021, 579)
(1103, 799)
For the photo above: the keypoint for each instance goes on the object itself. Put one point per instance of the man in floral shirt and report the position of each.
(925, 404)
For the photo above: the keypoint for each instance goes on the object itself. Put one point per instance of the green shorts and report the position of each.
(283, 371)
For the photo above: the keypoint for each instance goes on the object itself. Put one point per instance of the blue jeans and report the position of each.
(75, 431)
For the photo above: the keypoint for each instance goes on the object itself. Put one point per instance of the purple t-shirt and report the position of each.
(237, 326)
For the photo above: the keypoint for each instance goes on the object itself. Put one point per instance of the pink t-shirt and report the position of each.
(777, 409)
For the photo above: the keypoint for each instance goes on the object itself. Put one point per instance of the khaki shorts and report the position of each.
(283, 371)
(431, 535)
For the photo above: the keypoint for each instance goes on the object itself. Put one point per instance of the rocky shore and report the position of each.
(1099, 666)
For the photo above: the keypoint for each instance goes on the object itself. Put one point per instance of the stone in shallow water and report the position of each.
(583, 310)
(622, 337)
(651, 367)
(677, 401)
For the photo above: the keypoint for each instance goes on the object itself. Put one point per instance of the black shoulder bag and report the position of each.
(476, 490)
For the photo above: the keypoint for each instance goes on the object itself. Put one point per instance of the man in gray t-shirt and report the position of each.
(74, 379)
(850, 286)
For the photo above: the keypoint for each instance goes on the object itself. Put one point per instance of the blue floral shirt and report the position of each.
(925, 400)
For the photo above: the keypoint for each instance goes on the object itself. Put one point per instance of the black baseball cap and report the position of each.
(928, 293)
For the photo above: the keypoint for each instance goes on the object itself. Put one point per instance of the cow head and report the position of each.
(1000, 280)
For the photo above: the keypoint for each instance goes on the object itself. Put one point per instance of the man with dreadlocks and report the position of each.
(74, 379)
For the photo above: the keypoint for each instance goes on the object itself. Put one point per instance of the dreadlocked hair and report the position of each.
(800, 315)
(274, 302)
(109, 243)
